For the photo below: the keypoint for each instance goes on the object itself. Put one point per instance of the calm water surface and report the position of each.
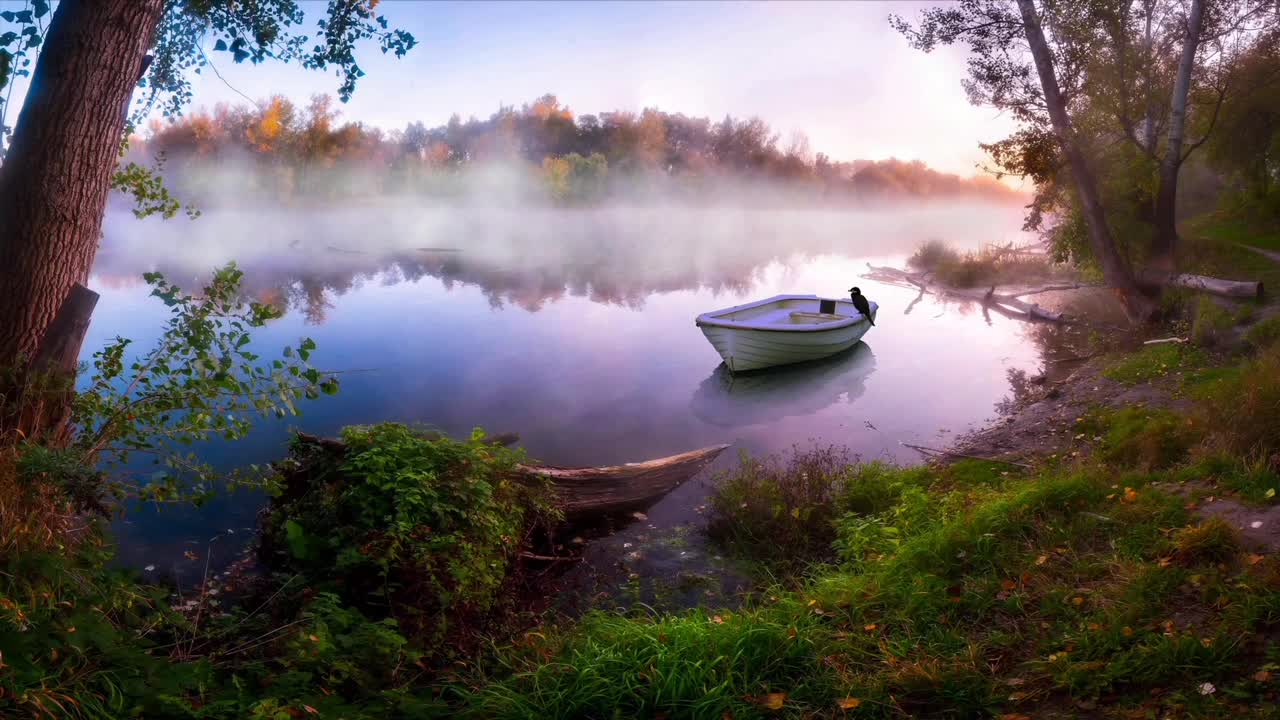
(574, 329)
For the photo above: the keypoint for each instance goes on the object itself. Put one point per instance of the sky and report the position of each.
(836, 71)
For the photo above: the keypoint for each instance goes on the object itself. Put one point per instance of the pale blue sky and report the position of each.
(834, 70)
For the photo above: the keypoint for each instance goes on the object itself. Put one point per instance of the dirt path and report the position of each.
(1271, 254)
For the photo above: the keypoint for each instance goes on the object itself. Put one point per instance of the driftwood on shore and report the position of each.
(1246, 289)
(1010, 305)
(586, 492)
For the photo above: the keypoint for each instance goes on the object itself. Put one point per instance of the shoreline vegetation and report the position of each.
(1115, 557)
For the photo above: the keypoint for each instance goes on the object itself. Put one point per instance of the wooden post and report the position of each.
(59, 350)
(49, 383)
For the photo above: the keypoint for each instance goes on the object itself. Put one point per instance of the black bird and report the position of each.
(860, 302)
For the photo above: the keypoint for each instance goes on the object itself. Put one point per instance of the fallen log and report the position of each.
(1248, 289)
(583, 492)
(1008, 305)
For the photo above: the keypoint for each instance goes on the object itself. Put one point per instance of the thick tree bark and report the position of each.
(56, 176)
(1167, 194)
(1115, 270)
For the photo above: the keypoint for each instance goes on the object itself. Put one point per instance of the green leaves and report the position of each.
(297, 539)
(200, 381)
(150, 195)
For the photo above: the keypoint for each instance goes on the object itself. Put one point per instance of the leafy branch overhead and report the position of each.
(260, 31)
(201, 380)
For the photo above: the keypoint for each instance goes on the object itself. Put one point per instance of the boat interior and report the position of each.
(792, 311)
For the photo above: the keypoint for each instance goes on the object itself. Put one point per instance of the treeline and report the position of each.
(540, 152)
(1246, 146)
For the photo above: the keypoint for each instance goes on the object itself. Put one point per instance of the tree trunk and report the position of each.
(1115, 270)
(56, 176)
(1167, 194)
(1149, 121)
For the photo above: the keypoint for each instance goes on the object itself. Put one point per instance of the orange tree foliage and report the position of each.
(573, 158)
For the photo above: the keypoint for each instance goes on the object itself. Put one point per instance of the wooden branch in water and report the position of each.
(936, 451)
(1051, 288)
(1005, 304)
(1247, 289)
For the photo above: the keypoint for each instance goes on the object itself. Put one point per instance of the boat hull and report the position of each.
(744, 350)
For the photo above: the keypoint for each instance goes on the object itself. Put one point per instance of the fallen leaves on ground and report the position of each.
(773, 701)
(849, 703)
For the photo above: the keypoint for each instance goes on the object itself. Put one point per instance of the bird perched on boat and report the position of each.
(860, 302)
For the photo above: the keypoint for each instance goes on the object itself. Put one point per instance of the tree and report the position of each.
(1167, 196)
(1015, 67)
(59, 167)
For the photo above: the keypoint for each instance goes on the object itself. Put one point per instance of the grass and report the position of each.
(1032, 589)
(1264, 334)
(1154, 362)
(1234, 227)
(1254, 479)
(1244, 409)
(1211, 323)
(779, 514)
(1145, 439)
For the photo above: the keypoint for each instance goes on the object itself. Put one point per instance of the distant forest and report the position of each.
(541, 152)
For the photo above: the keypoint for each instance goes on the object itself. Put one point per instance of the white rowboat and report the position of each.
(782, 330)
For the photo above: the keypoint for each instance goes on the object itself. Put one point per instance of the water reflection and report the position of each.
(523, 257)
(728, 400)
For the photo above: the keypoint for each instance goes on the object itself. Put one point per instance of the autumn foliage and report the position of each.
(540, 152)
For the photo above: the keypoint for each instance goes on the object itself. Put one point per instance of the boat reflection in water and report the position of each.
(728, 400)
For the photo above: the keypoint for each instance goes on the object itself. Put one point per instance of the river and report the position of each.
(573, 328)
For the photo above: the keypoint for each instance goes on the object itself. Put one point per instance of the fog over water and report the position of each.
(572, 327)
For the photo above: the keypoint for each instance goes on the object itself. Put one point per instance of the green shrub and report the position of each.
(1264, 334)
(425, 529)
(1210, 323)
(779, 514)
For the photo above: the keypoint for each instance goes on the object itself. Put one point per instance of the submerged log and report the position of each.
(1008, 305)
(1247, 289)
(584, 492)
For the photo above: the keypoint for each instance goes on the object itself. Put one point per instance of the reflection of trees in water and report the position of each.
(527, 257)
(310, 288)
